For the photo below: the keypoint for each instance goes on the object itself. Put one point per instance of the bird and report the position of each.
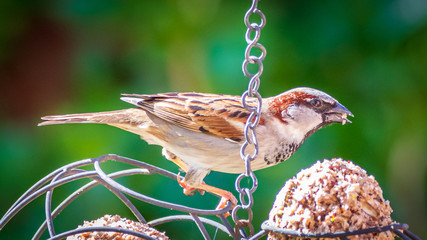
(203, 132)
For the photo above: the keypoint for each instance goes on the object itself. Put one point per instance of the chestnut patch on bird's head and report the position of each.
(280, 104)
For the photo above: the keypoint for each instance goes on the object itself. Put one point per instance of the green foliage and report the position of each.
(78, 56)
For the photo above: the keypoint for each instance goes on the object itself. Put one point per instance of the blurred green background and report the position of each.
(71, 56)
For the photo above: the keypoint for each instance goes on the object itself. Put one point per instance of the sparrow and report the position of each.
(203, 132)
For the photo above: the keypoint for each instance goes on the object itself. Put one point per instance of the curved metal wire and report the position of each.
(72, 172)
(99, 229)
(400, 229)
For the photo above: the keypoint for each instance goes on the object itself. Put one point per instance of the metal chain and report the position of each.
(252, 36)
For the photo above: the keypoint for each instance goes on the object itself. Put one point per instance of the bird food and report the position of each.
(117, 221)
(331, 196)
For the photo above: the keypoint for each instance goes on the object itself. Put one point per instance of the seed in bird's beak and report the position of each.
(344, 118)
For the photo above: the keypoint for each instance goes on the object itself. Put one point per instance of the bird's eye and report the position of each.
(316, 103)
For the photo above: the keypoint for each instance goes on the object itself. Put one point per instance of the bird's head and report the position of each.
(302, 111)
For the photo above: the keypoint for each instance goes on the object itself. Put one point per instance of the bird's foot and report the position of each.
(202, 188)
(223, 203)
(187, 190)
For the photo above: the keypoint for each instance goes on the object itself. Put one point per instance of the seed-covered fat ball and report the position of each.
(331, 196)
(117, 221)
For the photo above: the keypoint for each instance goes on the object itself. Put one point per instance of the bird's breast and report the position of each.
(279, 153)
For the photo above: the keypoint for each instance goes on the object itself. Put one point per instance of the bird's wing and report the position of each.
(213, 114)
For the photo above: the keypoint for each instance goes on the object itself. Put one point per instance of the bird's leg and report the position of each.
(190, 190)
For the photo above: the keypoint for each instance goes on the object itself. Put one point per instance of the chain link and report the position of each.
(251, 142)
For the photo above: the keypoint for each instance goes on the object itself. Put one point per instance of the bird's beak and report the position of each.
(337, 114)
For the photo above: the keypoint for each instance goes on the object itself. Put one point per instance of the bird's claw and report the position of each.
(225, 195)
(223, 203)
(187, 190)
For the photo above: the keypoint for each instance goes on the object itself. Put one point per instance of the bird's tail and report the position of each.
(127, 116)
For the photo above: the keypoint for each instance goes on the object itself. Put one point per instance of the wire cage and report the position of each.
(72, 172)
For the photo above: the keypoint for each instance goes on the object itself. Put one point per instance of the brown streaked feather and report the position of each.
(203, 113)
(132, 116)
